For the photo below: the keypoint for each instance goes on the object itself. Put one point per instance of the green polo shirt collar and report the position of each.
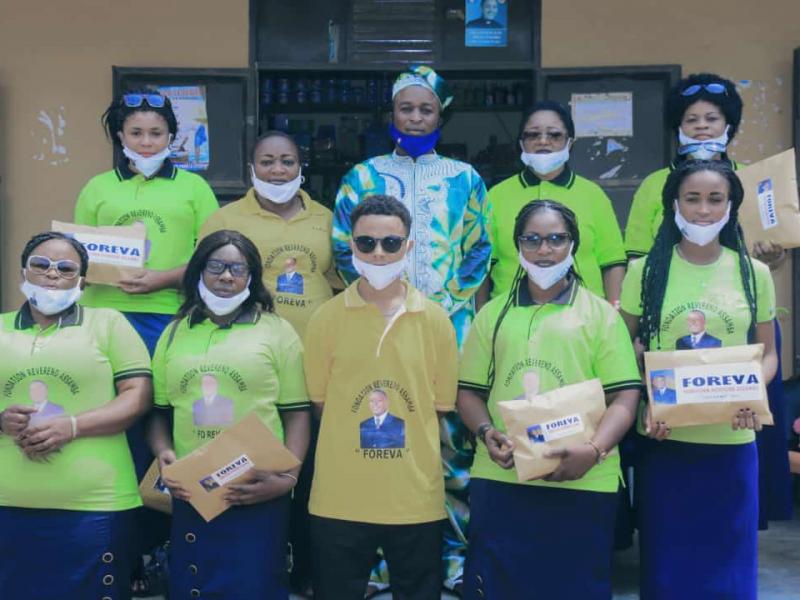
(566, 297)
(167, 171)
(680, 159)
(565, 179)
(73, 316)
(250, 316)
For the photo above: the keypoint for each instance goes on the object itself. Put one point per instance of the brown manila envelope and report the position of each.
(540, 422)
(770, 211)
(115, 253)
(154, 493)
(706, 386)
(206, 472)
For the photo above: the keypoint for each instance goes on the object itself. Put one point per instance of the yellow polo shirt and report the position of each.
(306, 238)
(255, 364)
(380, 468)
(77, 364)
(573, 338)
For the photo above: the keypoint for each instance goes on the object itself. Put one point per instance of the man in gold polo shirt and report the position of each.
(380, 338)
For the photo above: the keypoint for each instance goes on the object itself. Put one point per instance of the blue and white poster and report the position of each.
(486, 23)
(191, 148)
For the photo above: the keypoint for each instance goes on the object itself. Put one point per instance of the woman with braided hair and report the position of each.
(550, 328)
(697, 487)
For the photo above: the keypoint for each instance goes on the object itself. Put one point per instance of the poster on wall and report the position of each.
(486, 23)
(191, 148)
(603, 115)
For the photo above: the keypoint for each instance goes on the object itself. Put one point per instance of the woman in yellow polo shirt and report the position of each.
(697, 487)
(228, 354)
(73, 380)
(545, 136)
(290, 229)
(550, 326)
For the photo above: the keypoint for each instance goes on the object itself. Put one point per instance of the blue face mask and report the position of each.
(414, 145)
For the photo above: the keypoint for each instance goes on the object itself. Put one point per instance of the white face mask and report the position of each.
(279, 194)
(148, 165)
(701, 235)
(380, 276)
(50, 302)
(222, 306)
(702, 149)
(547, 277)
(545, 163)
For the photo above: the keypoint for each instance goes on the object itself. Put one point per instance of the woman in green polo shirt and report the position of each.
(147, 188)
(550, 326)
(172, 203)
(73, 380)
(228, 354)
(545, 136)
(697, 487)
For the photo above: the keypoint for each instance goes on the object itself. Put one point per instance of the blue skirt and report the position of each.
(241, 554)
(65, 554)
(775, 502)
(697, 510)
(538, 542)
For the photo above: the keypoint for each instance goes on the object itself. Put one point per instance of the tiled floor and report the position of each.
(779, 568)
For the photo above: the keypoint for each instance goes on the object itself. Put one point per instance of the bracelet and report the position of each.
(74, 422)
(483, 429)
(289, 475)
(601, 455)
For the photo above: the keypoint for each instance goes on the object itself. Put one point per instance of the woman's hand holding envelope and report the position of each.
(167, 457)
(262, 486)
(575, 462)
(500, 447)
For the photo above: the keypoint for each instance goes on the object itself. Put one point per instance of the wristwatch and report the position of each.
(602, 455)
(483, 428)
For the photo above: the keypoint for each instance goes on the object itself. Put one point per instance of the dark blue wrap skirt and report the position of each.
(239, 555)
(697, 511)
(65, 554)
(538, 542)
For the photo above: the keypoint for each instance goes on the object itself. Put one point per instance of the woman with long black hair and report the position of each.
(551, 327)
(697, 487)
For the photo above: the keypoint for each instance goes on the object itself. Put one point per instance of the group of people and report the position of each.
(399, 320)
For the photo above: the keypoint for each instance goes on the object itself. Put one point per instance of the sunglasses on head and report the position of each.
(711, 88)
(390, 243)
(41, 265)
(218, 267)
(534, 241)
(136, 100)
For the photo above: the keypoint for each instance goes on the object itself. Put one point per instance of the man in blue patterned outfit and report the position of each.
(450, 210)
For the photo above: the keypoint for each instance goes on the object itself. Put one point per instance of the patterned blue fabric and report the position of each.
(450, 212)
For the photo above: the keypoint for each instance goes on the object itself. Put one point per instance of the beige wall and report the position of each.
(749, 42)
(57, 64)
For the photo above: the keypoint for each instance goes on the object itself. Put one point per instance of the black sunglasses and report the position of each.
(390, 243)
(218, 267)
(535, 136)
(533, 241)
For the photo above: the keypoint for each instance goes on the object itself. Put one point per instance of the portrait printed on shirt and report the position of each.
(290, 281)
(39, 395)
(211, 409)
(697, 337)
(382, 429)
(663, 384)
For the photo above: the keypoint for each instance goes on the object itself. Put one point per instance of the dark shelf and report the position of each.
(281, 109)
(465, 67)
